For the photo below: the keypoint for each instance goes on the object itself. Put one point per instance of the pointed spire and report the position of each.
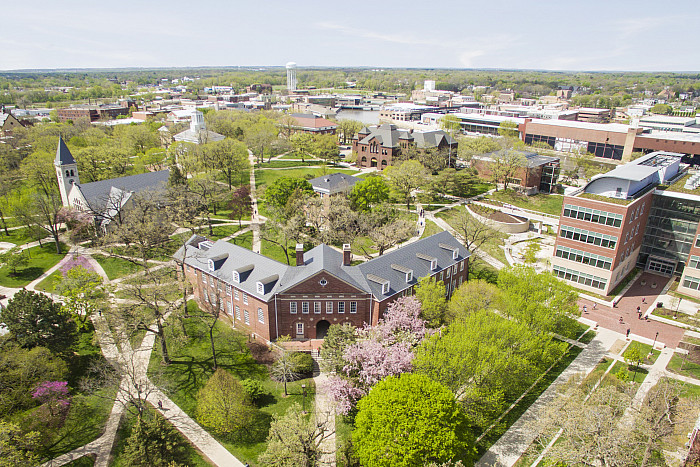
(63, 155)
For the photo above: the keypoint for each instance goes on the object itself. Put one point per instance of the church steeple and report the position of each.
(66, 170)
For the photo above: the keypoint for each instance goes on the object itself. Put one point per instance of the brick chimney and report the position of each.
(347, 254)
(300, 254)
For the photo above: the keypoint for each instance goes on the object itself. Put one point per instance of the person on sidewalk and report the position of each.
(595, 305)
(628, 333)
(585, 310)
(644, 299)
(160, 405)
(621, 320)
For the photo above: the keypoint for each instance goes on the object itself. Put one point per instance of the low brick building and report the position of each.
(538, 174)
(268, 299)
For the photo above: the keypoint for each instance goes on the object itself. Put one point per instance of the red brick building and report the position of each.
(309, 123)
(269, 299)
(377, 146)
(537, 174)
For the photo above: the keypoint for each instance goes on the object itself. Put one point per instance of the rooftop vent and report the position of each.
(206, 245)
(693, 182)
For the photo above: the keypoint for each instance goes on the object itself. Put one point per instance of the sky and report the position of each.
(591, 35)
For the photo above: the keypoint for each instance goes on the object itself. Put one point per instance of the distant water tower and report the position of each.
(291, 76)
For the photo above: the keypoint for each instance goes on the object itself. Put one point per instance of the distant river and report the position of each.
(370, 117)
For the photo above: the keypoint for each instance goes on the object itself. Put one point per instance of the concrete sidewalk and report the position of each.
(507, 450)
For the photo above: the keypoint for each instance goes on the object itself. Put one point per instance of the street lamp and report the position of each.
(303, 398)
(651, 352)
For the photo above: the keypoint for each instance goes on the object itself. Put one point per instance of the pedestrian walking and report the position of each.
(621, 320)
(644, 299)
(585, 310)
(639, 314)
(628, 333)
(595, 305)
(160, 405)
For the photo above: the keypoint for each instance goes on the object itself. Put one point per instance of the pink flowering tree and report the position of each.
(381, 351)
(54, 395)
(80, 224)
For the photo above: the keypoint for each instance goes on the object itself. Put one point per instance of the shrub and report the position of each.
(303, 363)
(254, 389)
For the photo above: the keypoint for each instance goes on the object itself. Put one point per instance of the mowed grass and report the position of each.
(192, 366)
(682, 365)
(267, 177)
(431, 228)
(50, 283)
(21, 236)
(117, 267)
(41, 259)
(549, 204)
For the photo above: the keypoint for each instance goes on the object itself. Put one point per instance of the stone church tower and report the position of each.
(66, 170)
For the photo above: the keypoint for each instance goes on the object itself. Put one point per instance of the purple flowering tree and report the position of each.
(381, 351)
(54, 395)
(74, 262)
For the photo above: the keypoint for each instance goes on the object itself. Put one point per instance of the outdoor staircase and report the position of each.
(318, 361)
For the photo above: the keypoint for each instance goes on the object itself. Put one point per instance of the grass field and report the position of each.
(41, 258)
(245, 240)
(192, 366)
(117, 267)
(431, 228)
(21, 236)
(50, 283)
(550, 204)
(287, 164)
(684, 366)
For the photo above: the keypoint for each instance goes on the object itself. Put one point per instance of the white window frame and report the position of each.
(236, 277)
(433, 265)
(329, 308)
(448, 272)
(300, 329)
(461, 265)
(211, 265)
(293, 308)
(341, 307)
(245, 298)
(409, 276)
(385, 288)
(261, 316)
(230, 308)
(228, 290)
(305, 308)
(455, 254)
(246, 317)
(235, 294)
(260, 288)
(317, 308)
(353, 307)
(238, 312)
(206, 295)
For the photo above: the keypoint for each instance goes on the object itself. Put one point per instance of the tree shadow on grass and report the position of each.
(27, 274)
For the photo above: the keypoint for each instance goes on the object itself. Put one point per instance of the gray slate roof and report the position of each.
(324, 259)
(532, 159)
(388, 135)
(97, 194)
(334, 183)
(406, 257)
(63, 155)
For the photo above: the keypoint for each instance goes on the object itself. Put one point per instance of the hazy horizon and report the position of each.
(622, 36)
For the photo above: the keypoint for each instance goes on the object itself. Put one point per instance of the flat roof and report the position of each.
(611, 127)
(494, 118)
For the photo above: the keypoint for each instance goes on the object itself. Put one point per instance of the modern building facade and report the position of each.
(269, 299)
(645, 213)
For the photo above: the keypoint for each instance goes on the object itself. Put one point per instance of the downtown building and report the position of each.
(645, 213)
(268, 299)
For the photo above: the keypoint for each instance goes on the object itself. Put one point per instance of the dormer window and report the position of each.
(260, 288)
(385, 288)
(433, 265)
(236, 277)
(211, 265)
(409, 276)
(455, 254)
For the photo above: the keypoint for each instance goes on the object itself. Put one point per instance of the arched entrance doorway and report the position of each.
(373, 162)
(322, 329)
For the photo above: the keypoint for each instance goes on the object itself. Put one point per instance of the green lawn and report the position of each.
(291, 155)
(117, 267)
(480, 270)
(196, 459)
(680, 317)
(275, 252)
(192, 366)
(221, 231)
(635, 375)
(21, 236)
(223, 214)
(550, 204)
(689, 367)
(492, 246)
(266, 177)
(287, 164)
(245, 240)
(49, 284)
(41, 258)
(431, 228)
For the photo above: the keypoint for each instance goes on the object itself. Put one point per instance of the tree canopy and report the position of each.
(410, 421)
